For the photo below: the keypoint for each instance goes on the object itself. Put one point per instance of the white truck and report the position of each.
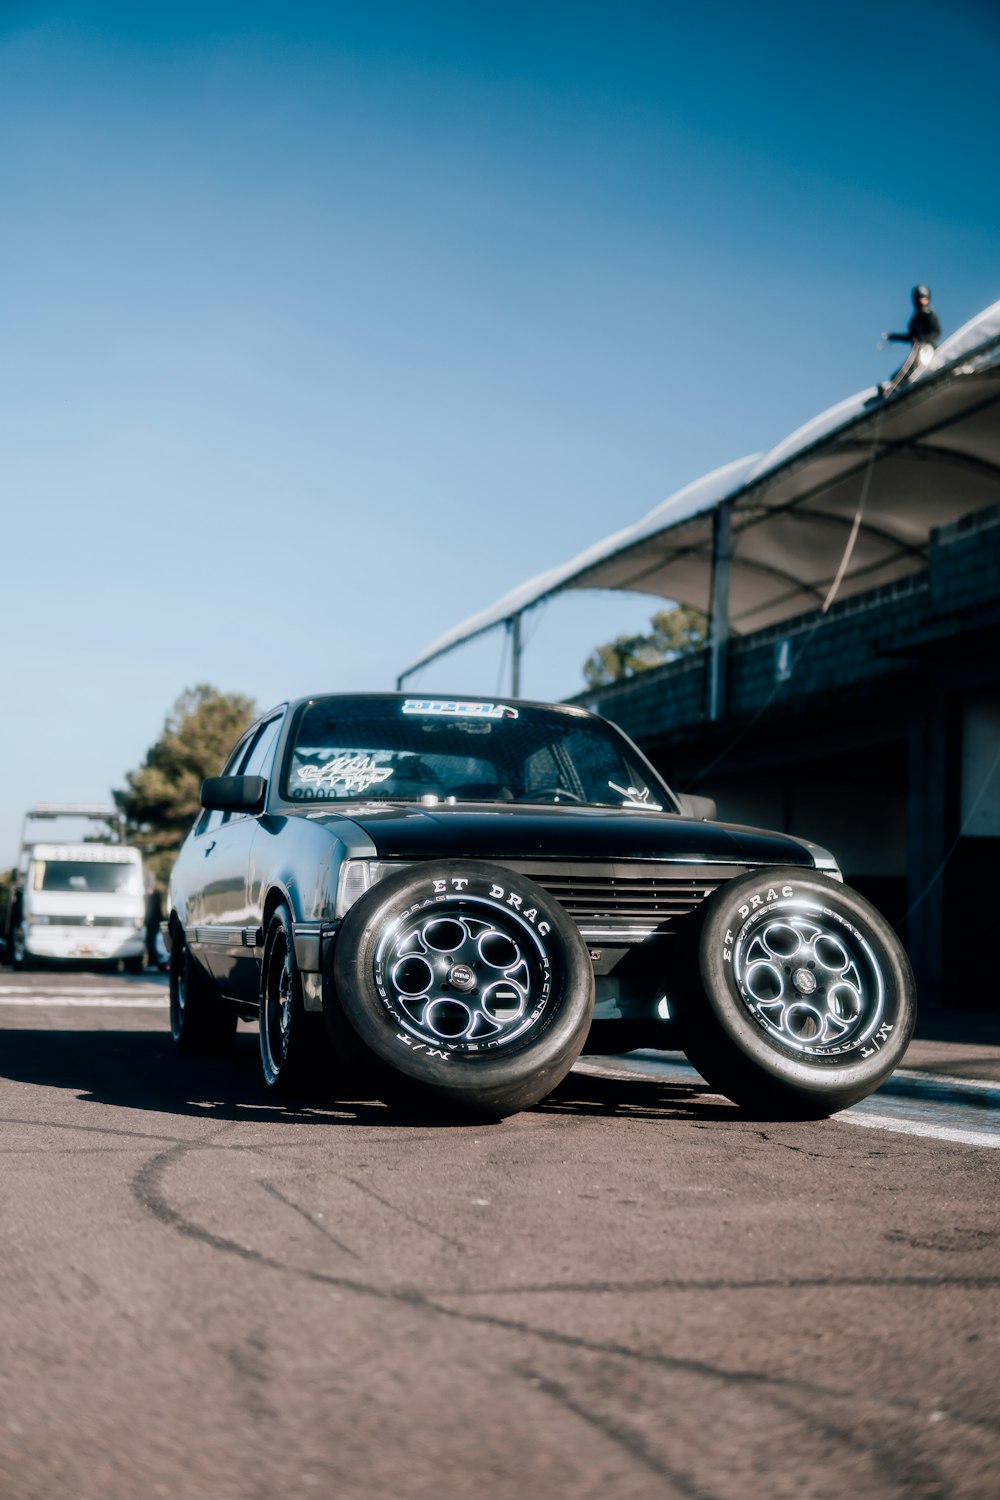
(76, 901)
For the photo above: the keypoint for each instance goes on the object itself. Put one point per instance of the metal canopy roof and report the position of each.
(847, 501)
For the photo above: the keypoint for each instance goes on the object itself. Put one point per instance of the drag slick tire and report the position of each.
(294, 1048)
(460, 984)
(201, 1022)
(796, 998)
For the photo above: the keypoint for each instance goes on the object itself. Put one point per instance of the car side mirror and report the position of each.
(697, 807)
(233, 793)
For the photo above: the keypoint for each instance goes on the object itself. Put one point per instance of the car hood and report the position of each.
(596, 833)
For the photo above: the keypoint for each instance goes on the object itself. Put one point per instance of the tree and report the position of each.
(162, 798)
(675, 632)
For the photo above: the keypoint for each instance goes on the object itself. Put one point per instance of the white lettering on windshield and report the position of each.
(356, 773)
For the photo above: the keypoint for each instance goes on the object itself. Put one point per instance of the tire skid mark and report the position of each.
(202, 1143)
(148, 1191)
(74, 1151)
(885, 1457)
(630, 1442)
(448, 1239)
(269, 1187)
(890, 1458)
(781, 1392)
(722, 1284)
(135, 1135)
(247, 1362)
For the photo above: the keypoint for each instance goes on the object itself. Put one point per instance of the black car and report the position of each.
(454, 892)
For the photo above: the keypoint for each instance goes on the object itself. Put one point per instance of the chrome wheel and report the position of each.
(809, 978)
(467, 977)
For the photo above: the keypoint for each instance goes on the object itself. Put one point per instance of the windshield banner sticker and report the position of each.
(459, 708)
(635, 798)
(356, 773)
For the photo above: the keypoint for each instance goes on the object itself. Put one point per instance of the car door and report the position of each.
(193, 871)
(229, 929)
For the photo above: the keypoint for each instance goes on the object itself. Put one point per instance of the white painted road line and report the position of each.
(856, 1115)
(86, 999)
(81, 989)
(949, 1080)
(936, 1106)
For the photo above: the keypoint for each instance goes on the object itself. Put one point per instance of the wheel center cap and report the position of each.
(804, 981)
(461, 977)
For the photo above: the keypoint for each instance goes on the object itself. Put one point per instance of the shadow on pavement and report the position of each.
(638, 1098)
(141, 1070)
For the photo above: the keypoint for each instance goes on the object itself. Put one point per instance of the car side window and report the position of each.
(258, 762)
(259, 754)
(211, 820)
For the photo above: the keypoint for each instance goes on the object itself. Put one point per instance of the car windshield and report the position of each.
(395, 750)
(108, 877)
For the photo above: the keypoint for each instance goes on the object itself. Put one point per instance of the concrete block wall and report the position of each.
(965, 563)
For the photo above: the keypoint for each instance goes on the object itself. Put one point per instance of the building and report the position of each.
(851, 690)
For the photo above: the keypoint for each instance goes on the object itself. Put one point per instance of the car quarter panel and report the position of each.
(296, 859)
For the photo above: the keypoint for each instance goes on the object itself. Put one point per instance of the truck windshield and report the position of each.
(105, 876)
(370, 749)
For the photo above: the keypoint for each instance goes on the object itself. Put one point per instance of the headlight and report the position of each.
(358, 876)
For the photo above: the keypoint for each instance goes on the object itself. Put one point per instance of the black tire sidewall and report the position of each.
(294, 1069)
(516, 1073)
(179, 965)
(722, 1036)
(206, 1025)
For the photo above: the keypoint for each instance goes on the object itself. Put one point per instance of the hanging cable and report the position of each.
(856, 527)
(808, 634)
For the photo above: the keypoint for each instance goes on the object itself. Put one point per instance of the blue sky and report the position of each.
(325, 325)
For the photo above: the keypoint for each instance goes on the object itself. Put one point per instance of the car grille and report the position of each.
(629, 902)
(92, 922)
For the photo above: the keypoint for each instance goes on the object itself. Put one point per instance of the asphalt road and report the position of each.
(629, 1291)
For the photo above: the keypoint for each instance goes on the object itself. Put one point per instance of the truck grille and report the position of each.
(629, 901)
(92, 922)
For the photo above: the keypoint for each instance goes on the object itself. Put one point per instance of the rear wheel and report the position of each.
(797, 998)
(201, 1023)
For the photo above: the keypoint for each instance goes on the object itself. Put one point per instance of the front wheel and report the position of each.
(796, 997)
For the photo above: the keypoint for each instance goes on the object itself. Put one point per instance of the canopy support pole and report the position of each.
(514, 631)
(719, 644)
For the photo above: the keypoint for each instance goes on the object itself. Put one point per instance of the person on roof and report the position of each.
(922, 334)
